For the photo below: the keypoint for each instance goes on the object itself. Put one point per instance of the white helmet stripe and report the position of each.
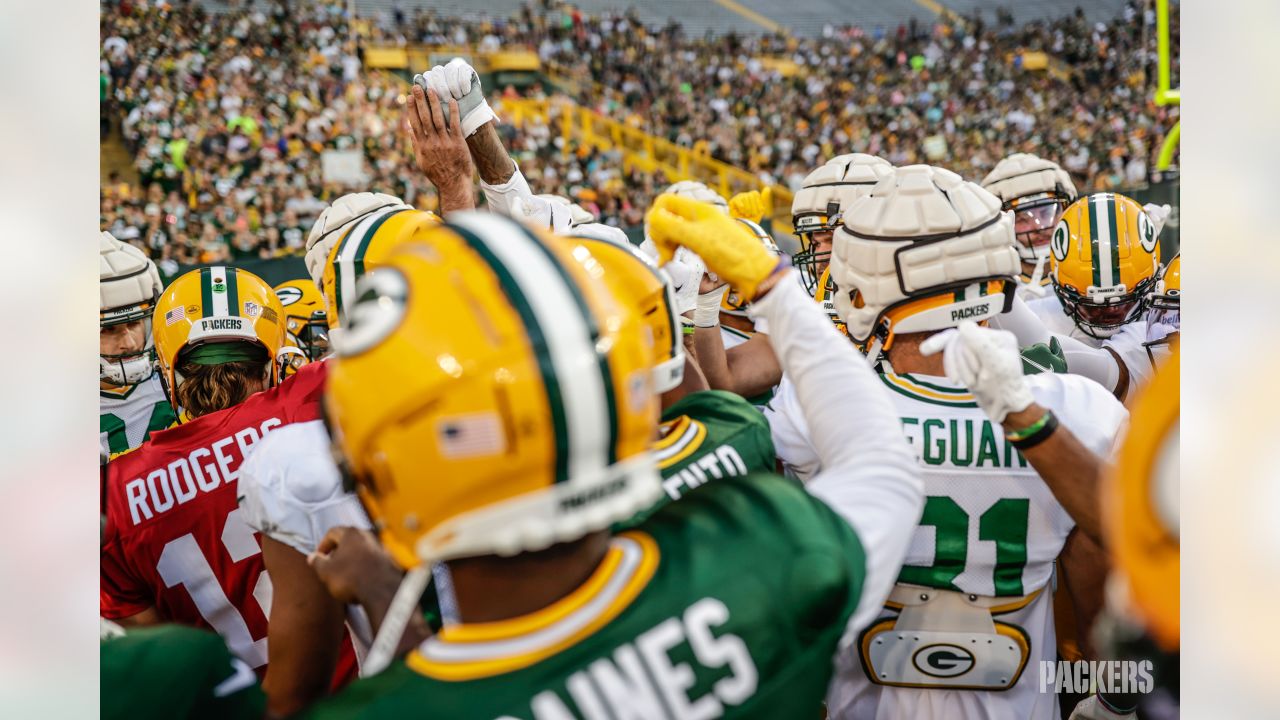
(1104, 241)
(571, 348)
(218, 305)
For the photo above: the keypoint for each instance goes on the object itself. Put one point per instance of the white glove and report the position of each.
(1091, 708)
(686, 270)
(459, 81)
(987, 362)
(1159, 215)
(541, 214)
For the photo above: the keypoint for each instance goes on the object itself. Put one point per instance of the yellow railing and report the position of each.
(642, 151)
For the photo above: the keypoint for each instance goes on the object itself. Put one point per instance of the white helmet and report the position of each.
(698, 191)
(128, 288)
(819, 203)
(333, 222)
(1037, 191)
(923, 251)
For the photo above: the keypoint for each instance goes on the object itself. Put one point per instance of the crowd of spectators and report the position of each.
(228, 113)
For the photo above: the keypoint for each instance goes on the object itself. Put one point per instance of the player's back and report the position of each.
(175, 539)
(978, 565)
(729, 603)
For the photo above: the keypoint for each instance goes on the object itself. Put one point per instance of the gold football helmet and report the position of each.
(216, 304)
(488, 395)
(362, 248)
(1141, 504)
(640, 284)
(305, 318)
(1103, 262)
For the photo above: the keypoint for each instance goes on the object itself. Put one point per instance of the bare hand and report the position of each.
(351, 564)
(439, 148)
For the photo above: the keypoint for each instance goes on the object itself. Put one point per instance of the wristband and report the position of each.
(706, 314)
(1035, 433)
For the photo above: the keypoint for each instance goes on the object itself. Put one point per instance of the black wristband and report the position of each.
(1039, 436)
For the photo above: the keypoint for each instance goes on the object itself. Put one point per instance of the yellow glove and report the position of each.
(725, 245)
(749, 205)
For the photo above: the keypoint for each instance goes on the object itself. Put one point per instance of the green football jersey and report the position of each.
(731, 602)
(174, 671)
(709, 435)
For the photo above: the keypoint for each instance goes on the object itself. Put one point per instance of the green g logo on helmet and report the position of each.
(1060, 241)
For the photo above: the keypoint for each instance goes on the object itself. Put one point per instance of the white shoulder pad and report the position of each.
(291, 490)
(1084, 407)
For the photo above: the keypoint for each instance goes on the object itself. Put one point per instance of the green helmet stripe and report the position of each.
(233, 292)
(1115, 240)
(1093, 238)
(206, 292)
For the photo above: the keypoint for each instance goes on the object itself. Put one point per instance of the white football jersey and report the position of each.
(126, 417)
(732, 337)
(291, 491)
(1128, 342)
(990, 527)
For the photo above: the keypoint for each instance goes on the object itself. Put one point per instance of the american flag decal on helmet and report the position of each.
(174, 316)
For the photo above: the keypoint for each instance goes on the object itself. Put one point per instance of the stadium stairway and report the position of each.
(114, 157)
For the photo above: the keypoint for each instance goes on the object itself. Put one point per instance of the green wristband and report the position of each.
(1035, 433)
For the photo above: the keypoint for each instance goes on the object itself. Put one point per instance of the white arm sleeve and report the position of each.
(869, 475)
(1094, 363)
(291, 491)
(1025, 325)
(500, 196)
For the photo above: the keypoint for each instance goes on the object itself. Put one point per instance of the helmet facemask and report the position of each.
(1101, 315)
(129, 368)
(811, 262)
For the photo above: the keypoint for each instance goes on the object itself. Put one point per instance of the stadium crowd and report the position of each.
(228, 133)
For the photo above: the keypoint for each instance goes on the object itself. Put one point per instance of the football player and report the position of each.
(1036, 191)
(1104, 257)
(926, 252)
(131, 403)
(290, 491)
(557, 617)
(704, 434)
(819, 204)
(305, 326)
(176, 546)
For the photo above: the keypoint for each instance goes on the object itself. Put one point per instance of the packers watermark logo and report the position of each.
(1060, 241)
(1146, 233)
(1111, 676)
(943, 660)
(288, 295)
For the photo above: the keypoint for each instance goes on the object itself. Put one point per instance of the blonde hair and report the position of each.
(206, 389)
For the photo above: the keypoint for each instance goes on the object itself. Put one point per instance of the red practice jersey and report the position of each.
(175, 538)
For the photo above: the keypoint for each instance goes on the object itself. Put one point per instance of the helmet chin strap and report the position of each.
(401, 610)
(1034, 286)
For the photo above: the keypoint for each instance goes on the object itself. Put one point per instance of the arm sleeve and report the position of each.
(1085, 408)
(1094, 363)
(291, 491)
(499, 197)
(869, 475)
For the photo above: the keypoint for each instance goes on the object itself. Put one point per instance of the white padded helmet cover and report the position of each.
(841, 180)
(126, 276)
(698, 191)
(1023, 174)
(335, 220)
(953, 229)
